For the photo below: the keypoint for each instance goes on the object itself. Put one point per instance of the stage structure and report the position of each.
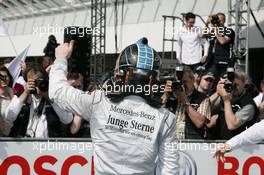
(98, 24)
(238, 19)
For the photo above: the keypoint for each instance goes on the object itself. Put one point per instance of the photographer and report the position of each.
(197, 73)
(32, 114)
(190, 42)
(130, 134)
(192, 107)
(221, 39)
(236, 110)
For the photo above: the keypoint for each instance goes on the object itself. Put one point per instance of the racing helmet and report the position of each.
(138, 64)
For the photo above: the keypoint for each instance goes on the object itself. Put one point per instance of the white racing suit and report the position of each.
(252, 135)
(129, 137)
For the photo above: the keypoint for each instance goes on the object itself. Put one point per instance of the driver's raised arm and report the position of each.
(64, 95)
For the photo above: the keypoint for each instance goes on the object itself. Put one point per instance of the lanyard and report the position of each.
(35, 116)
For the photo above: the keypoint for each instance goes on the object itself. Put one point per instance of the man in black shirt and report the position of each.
(221, 45)
(236, 110)
(191, 107)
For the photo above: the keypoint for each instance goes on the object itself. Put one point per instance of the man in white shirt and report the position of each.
(190, 42)
(130, 136)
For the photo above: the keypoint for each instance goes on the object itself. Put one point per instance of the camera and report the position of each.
(42, 84)
(229, 85)
(215, 20)
(177, 84)
(49, 50)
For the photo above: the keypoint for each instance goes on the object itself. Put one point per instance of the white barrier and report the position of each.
(75, 157)
(46, 158)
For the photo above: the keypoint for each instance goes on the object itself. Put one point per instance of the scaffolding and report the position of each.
(171, 39)
(238, 19)
(98, 24)
(168, 64)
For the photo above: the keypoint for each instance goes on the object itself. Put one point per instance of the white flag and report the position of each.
(14, 67)
(2, 28)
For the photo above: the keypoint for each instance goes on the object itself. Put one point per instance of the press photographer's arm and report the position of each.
(222, 39)
(232, 121)
(197, 118)
(239, 109)
(222, 34)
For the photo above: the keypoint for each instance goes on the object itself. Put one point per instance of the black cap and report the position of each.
(199, 69)
(208, 74)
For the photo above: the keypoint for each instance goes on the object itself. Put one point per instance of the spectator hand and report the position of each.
(167, 90)
(168, 85)
(222, 92)
(30, 86)
(23, 65)
(181, 96)
(225, 95)
(213, 121)
(64, 51)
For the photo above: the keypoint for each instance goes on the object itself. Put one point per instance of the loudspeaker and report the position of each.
(80, 58)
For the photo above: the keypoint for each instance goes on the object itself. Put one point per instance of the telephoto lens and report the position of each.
(229, 85)
(177, 84)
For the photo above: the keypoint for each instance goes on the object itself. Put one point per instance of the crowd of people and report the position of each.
(132, 130)
(27, 111)
(210, 100)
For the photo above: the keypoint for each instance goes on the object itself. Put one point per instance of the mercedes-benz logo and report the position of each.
(187, 164)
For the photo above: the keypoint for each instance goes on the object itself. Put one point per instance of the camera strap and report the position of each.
(35, 120)
(213, 50)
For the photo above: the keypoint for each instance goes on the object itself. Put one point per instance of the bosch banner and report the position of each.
(75, 157)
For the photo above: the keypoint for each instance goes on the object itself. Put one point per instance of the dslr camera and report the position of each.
(42, 84)
(177, 84)
(49, 50)
(229, 84)
(215, 20)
